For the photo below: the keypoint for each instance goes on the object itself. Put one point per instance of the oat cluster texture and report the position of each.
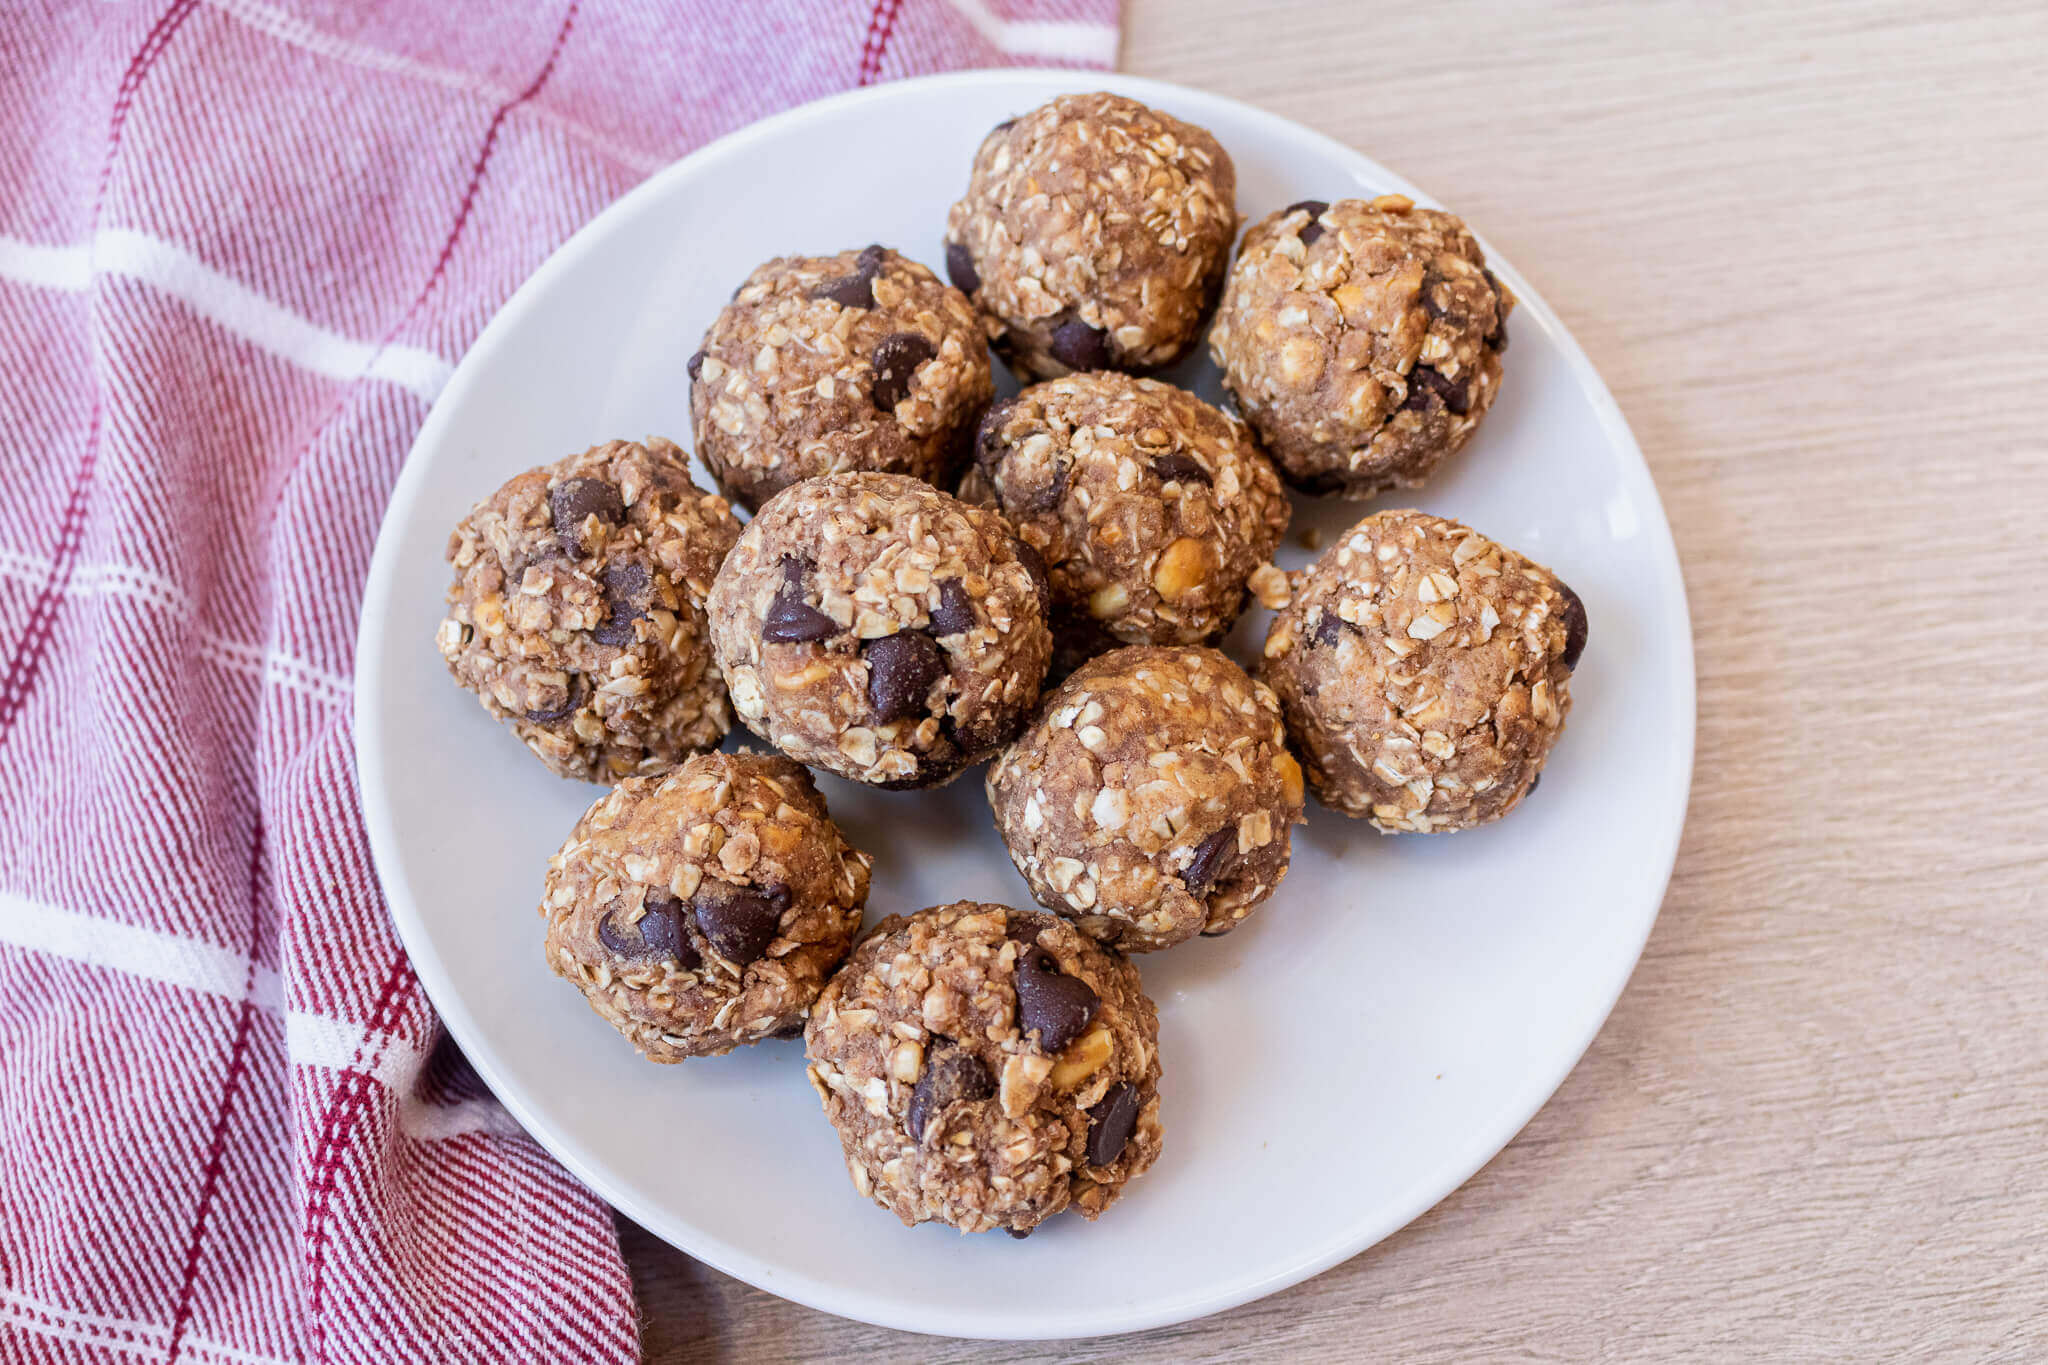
(933, 578)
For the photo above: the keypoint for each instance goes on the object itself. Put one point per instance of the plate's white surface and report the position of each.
(1363, 1045)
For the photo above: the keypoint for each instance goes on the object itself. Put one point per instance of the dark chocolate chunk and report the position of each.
(574, 501)
(1498, 337)
(1213, 857)
(1058, 1006)
(790, 620)
(950, 1076)
(988, 436)
(1111, 1123)
(901, 670)
(1574, 627)
(1330, 629)
(1176, 467)
(1034, 564)
(1018, 1233)
(960, 268)
(858, 289)
(626, 588)
(1311, 229)
(739, 922)
(896, 359)
(696, 365)
(658, 934)
(1425, 380)
(955, 613)
(1078, 346)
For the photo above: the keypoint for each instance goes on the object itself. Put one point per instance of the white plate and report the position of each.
(1364, 1044)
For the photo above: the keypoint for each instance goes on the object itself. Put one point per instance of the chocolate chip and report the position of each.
(955, 613)
(574, 501)
(1311, 229)
(790, 620)
(658, 934)
(1019, 927)
(960, 268)
(625, 596)
(1574, 627)
(1111, 1123)
(1049, 495)
(896, 359)
(739, 922)
(1498, 337)
(572, 700)
(1058, 1006)
(858, 289)
(1424, 380)
(1330, 629)
(1212, 856)
(1078, 346)
(1019, 1233)
(988, 436)
(1004, 126)
(696, 365)
(1427, 294)
(950, 1076)
(1034, 564)
(901, 670)
(1175, 467)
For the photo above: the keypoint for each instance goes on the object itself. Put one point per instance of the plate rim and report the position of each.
(1038, 83)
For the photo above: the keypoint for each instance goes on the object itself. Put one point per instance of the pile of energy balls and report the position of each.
(923, 562)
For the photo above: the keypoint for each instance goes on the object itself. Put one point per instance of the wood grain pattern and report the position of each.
(1808, 247)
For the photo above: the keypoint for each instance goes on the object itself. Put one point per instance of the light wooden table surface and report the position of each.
(1808, 248)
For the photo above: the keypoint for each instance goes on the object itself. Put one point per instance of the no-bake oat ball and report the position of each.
(1151, 509)
(1425, 671)
(871, 625)
(1151, 799)
(864, 360)
(1361, 340)
(987, 1067)
(1094, 235)
(704, 909)
(577, 610)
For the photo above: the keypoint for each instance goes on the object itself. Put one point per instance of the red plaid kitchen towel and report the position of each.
(242, 243)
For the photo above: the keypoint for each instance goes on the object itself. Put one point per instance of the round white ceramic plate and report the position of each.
(1366, 1042)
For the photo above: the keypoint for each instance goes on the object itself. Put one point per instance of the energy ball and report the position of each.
(704, 909)
(1151, 509)
(1094, 234)
(870, 625)
(863, 360)
(987, 1067)
(577, 610)
(1151, 800)
(1361, 340)
(1424, 671)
